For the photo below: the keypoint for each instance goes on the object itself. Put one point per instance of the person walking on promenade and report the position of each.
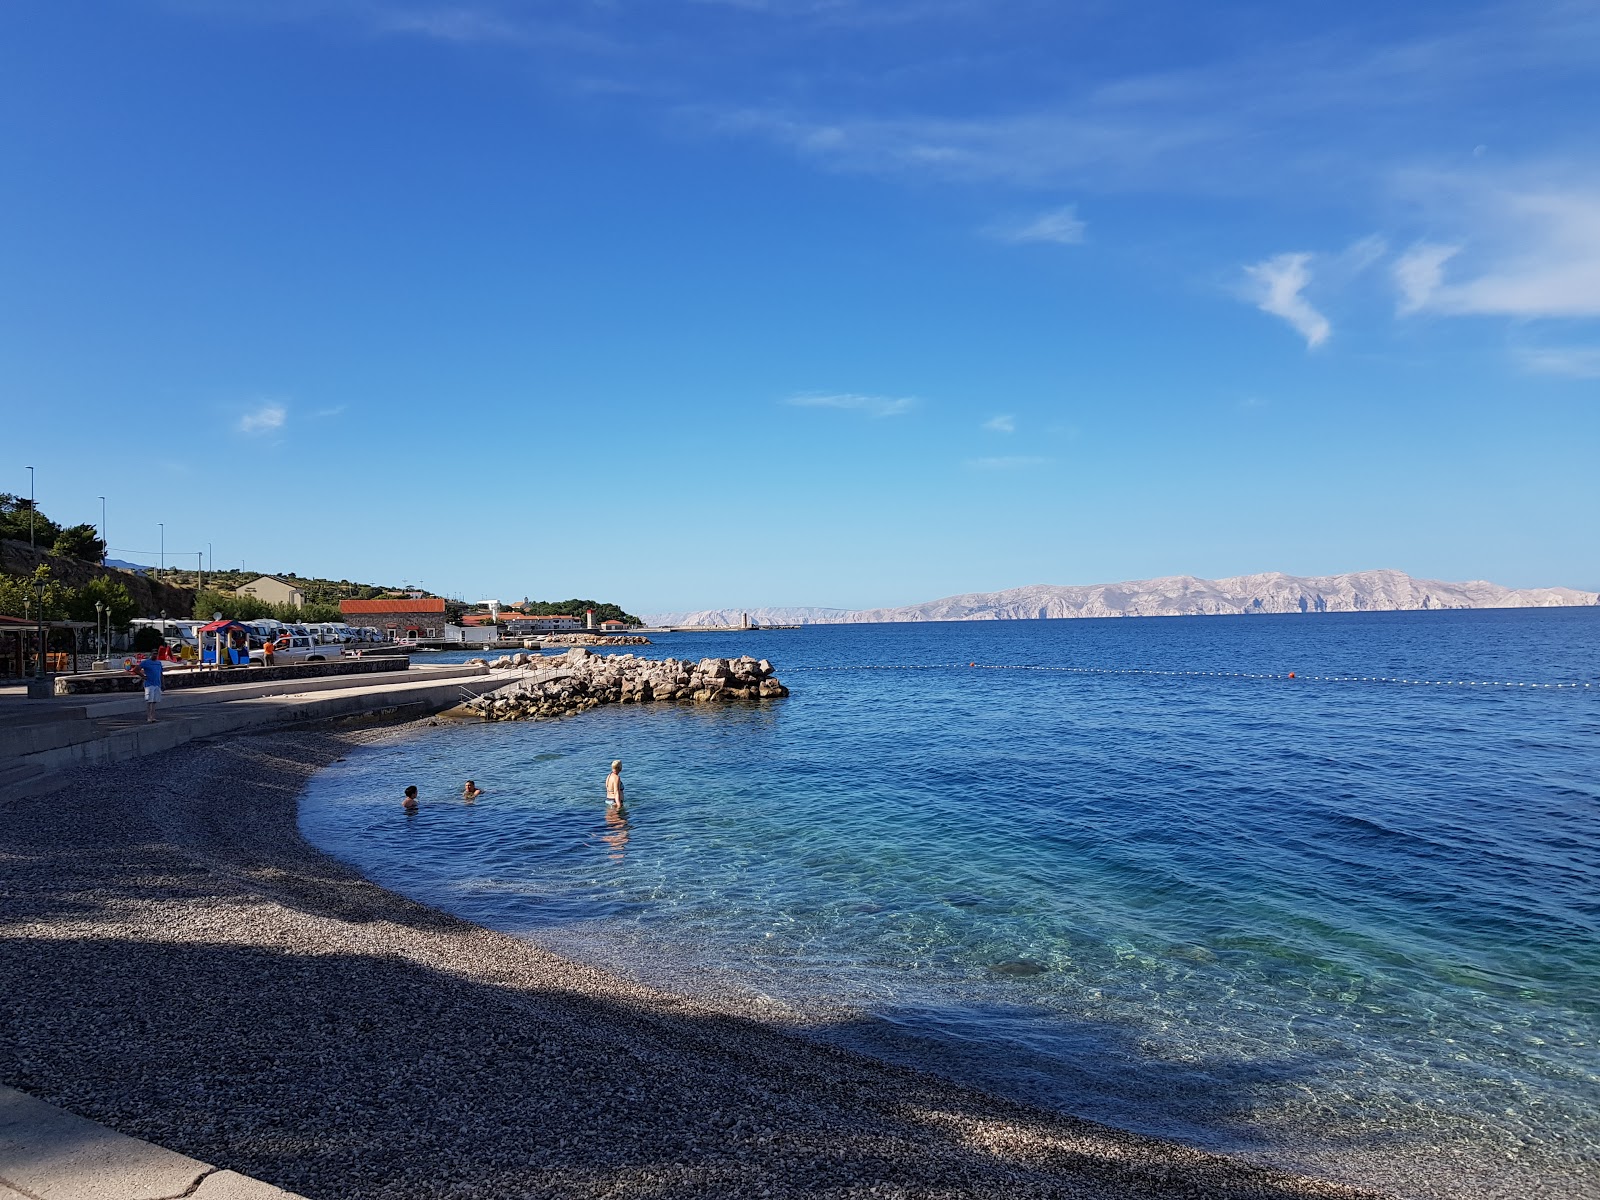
(149, 670)
(268, 649)
(614, 785)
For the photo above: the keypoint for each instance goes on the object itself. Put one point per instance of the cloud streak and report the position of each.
(872, 406)
(1007, 462)
(267, 418)
(1001, 424)
(1277, 287)
(1523, 253)
(1060, 226)
(1570, 362)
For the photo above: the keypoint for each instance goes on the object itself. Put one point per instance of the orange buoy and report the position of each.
(1291, 674)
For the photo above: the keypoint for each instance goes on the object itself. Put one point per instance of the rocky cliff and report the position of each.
(1175, 596)
(152, 598)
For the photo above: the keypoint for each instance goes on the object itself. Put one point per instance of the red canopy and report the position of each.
(215, 626)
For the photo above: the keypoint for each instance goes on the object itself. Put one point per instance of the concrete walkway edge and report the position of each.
(47, 1153)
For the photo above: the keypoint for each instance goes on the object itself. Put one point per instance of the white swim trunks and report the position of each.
(152, 695)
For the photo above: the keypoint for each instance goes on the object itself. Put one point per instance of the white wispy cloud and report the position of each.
(1526, 253)
(1063, 146)
(451, 23)
(266, 418)
(1007, 462)
(872, 406)
(1419, 272)
(1001, 424)
(1277, 285)
(1060, 226)
(1572, 362)
(330, 412)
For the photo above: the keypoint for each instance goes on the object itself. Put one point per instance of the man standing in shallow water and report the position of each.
(614, 785)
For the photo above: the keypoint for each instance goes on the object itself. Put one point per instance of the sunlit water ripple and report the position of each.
(1346, 927)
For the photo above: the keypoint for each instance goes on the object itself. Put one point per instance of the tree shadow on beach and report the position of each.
(343, 1074)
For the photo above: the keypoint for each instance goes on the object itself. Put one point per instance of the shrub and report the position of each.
(147, 638)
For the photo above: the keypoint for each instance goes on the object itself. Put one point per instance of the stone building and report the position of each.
(273, 590)
(400, 620)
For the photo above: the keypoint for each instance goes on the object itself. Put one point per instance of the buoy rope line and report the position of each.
(1290, 675)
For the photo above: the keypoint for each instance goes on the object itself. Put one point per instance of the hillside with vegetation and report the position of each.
(576, 608)
(65, 569)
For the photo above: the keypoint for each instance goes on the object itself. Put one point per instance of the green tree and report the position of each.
(576, 608)
(80, 541)
(20, 595)
(249, 608)
(112, 595)
(14, 521)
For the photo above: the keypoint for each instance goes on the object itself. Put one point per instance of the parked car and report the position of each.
(292, 648)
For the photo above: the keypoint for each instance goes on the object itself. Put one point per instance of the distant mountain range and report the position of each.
(1175, 596)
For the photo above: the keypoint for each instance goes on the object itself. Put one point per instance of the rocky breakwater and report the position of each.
(594, 639)
(577, 680)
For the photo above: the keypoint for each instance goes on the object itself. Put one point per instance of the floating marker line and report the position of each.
(1292, 676)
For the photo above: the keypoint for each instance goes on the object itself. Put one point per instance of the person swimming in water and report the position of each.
(410, 802)
(471, 792)
(614, 785)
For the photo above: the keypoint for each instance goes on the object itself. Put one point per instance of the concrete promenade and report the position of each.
(40, 740)
(47, 1153)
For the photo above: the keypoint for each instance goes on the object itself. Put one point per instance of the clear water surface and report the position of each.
(1346, 927)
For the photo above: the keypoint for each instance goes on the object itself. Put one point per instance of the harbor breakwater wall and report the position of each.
(557, 685)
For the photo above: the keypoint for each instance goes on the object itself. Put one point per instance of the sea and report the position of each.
(1346, 923)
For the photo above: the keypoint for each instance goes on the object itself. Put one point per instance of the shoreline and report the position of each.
(185, 968)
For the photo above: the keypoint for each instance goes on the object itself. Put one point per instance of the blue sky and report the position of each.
(691, 303)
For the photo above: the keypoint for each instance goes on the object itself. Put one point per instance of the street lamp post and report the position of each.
(38, 688)
(163, 526)
(99, 638)
(103, 541)
(33, 505)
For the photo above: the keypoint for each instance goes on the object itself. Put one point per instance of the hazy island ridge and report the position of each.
(1171, 596)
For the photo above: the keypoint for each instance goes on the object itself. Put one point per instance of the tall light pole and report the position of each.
(210, 565)
(38, 587)
(33, 505)
(163, 570)
(200, 570)
(103, 541)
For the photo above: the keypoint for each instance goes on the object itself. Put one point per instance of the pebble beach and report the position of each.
(181, 966)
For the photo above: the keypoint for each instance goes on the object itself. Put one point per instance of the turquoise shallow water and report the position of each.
(1349, 927)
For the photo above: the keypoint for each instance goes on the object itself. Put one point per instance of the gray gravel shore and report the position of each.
(176, 962)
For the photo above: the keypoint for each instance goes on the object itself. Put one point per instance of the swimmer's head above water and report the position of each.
(410, 801)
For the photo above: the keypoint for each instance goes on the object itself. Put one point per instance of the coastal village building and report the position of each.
(273, 590)
(400, 620)
(520, 625)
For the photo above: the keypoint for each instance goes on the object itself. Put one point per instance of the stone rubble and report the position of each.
(556, 686)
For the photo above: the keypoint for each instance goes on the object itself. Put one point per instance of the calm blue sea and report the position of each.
(1348, 927)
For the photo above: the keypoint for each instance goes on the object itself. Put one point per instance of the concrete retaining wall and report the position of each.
(178, 678)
